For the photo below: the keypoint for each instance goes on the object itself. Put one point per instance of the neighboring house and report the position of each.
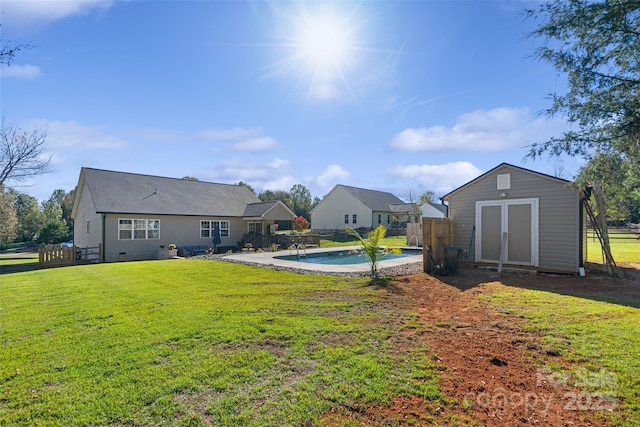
(354, 207)
(541, 216)
(131, 215)
(415, 233)
(432, 210)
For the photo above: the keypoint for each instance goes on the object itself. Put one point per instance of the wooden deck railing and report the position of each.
(56, 256)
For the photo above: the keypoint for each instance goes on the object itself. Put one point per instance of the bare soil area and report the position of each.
(489, 361)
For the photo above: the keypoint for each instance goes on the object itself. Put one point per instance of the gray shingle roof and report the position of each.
(121, 192)
(373, 199)
(259, 209)
(403, 208)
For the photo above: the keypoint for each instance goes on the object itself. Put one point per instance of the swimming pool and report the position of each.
(344, 257)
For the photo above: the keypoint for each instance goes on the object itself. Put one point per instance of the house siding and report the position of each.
(104, 197)
(276, 213)
(329, 213)
(180, 230)
(559, 239)
(429, 211)
(383, 219)
(87, 212)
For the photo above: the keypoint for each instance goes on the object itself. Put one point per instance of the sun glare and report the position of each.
(323, 44)
(323, 52)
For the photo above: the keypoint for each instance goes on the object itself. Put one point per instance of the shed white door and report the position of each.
(519, 219)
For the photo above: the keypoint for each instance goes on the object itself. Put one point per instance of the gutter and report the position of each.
(446, 206)
(104, 233)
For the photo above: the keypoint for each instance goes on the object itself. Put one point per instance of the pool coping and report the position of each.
(268, 259)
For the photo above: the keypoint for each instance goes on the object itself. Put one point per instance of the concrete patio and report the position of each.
(269, 259)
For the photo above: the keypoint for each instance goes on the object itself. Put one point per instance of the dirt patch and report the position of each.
(490, 362)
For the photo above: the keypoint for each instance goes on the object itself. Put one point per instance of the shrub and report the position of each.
(300, 224)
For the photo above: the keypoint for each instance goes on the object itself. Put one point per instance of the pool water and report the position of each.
(344, 257)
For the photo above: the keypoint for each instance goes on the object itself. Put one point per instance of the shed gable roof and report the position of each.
(130, 193)
(508, 166)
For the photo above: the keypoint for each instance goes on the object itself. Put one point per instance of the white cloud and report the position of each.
(234, 170)
(480, 130)
(331, 175)
(229, 134)
(74, 135)
(255, 144)
(284, 182)
(438, 178)
(279, 164)
(244, 139)
(20, 71)
(160, 135)
(43, 12)
(259, 175)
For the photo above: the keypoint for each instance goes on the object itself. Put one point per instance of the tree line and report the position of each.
(23, 219)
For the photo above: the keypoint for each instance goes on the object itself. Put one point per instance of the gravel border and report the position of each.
(401, 270)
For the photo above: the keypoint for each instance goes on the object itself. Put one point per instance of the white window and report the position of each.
(125, 226)
(346, 219)
(88, 229)
(354, 220)
(207, 228)
(138, 229)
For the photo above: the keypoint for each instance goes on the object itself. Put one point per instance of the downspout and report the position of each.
(104, 233)
(587, 196)
(447, 206)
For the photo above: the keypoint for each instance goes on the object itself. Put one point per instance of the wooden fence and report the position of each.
(89, 255)
(62, 256)
(56, 256)
(437, 236)
(628, 234)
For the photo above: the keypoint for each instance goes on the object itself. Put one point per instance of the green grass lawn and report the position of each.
(18, 263)
(204, 342)
(188, 342)
(600, 338)
(627, 250)
(18, 259)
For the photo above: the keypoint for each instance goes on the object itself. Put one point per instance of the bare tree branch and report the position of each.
(22, 153)
(8, 51)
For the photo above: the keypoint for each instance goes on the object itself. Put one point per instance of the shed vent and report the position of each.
(504, 181)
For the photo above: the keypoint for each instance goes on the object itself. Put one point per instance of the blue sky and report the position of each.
(402, 97)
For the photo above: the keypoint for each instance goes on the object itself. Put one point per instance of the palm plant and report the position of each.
(371, 246)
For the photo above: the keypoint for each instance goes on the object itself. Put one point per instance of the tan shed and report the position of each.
(523, 218)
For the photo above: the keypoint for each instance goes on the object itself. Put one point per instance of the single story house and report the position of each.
(346, 206)
(132, 215)
(535, 221)
(433, 210)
